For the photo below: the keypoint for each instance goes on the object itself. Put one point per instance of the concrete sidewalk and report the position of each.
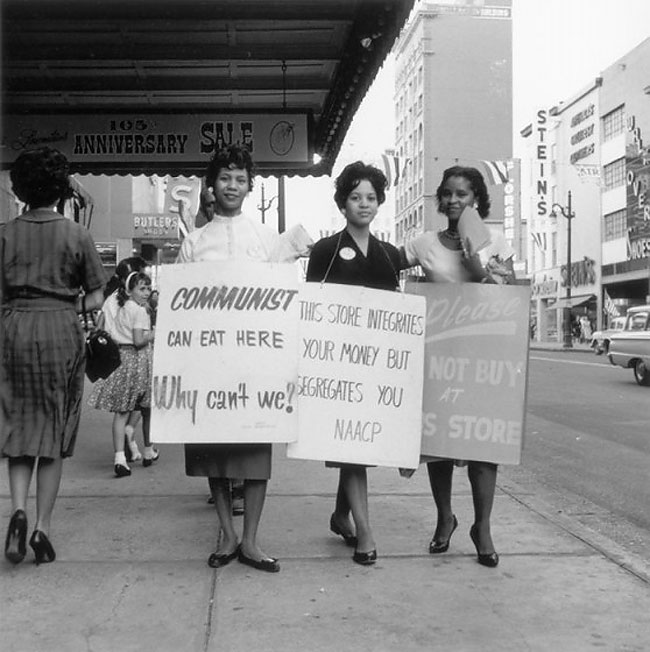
(131, 571)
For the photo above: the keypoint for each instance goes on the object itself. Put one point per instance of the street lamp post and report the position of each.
(265, 205)
(566, 212)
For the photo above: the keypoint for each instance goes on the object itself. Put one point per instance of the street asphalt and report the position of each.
(131, 570)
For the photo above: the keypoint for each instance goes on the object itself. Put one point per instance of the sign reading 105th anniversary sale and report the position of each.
(225, 357)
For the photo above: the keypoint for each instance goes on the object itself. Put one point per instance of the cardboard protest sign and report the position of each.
(225, 357)
(475, 370)
(360, 376)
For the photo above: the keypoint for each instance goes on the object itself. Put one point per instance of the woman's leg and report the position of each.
(355, 483)
(119, 423)
(483, 478)
(220, 489)
(440, 479)
(341, 515)
(48, 480)
(20, 476)
(254, 497)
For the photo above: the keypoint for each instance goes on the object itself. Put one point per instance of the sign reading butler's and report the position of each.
(475, 370)
(225, 358)
(144, 139)
(360, 383)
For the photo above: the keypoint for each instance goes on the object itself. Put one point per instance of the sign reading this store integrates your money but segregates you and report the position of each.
(360, 376)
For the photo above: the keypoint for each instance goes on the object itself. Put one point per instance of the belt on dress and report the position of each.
(39, 303)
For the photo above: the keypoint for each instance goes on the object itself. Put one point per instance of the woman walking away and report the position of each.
(46, 263)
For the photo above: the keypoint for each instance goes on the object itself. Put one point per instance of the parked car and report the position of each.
(600, 339)
(630, 346)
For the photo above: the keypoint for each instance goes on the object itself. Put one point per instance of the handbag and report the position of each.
(102, 353)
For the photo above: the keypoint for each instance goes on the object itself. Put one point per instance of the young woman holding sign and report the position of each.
(355, 257)
(232, 235)
(445, 257)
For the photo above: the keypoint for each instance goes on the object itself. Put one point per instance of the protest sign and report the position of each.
(475, 370)
(360, 375)
(225, 356)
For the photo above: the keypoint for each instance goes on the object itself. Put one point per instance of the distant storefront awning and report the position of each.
(573, 302)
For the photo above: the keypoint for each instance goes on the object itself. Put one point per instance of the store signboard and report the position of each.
(172, 139)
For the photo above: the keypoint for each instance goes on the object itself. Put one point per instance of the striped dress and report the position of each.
(45, 259)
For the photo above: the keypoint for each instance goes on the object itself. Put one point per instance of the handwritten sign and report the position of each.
(475, 370)
(225, 356)
(360, 376)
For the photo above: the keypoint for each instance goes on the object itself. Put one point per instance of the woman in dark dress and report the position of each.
(355, 257)
(46, 261)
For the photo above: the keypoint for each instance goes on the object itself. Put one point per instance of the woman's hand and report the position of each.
(472, 263)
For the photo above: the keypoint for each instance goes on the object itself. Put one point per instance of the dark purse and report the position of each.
(102, 353)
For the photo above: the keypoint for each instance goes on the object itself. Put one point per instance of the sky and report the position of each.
(559, 47)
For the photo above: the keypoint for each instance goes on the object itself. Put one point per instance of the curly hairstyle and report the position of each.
(123, 269)
(231, 157)
(476, 183)
(131, 281)
(41, 177)
(352, 175)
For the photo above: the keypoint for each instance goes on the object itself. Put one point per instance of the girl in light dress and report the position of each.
(128, 388)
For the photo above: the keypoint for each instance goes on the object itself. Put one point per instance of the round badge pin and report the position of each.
(347, 253)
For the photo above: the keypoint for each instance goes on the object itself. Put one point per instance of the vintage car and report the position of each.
(600, 339)
(630, 346)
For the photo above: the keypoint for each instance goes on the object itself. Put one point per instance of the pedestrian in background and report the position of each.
(128, 388)
(444, 258)
(50, 271)
(355, 257)
(106, 321)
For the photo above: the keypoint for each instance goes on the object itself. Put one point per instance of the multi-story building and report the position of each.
(586, 179)
(453, 105)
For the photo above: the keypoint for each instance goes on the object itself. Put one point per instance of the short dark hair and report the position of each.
(41, 176)
(352, 175)
(476, 182)
(229, 157)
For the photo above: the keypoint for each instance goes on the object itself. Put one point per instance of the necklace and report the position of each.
(452, 235)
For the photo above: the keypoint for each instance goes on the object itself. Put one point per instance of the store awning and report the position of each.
(573, 302)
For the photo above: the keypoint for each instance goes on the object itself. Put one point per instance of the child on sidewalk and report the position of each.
(128, 387)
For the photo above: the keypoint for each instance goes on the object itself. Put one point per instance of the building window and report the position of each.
(614, 174)
(613, 123)
(614, 225)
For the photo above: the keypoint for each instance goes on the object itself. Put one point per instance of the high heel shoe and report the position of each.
(436, 547)
(490, 559)
(350, 539)
(43, 550)
(365, 558)
(15, 548)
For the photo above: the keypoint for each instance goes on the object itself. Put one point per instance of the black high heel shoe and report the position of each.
(436, 547)
(43, 550)
(365, 558)
(491, 559)
(15, 548)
